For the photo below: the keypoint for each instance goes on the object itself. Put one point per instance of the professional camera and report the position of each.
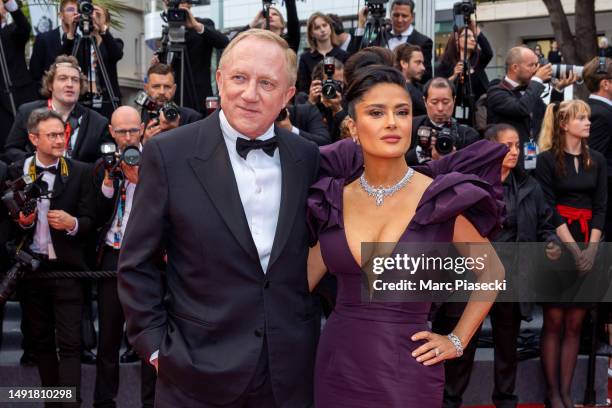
(560, 69)
(86, 9)
(22, 194)
(169, 109)
(444, 143)
(112, 158)
(23, 262)
(465, 7)
(330, 87)
(377, 8)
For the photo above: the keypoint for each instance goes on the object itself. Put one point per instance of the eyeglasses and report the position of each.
(70, 9)
(52, 136)
(125, 132)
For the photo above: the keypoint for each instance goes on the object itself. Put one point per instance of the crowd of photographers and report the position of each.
(70, 152)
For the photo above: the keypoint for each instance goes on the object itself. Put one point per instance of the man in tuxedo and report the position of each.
(402, 31)
(409, 59)
(14, 37)
(47, 46)
(161, 88)
(598, 79)
(86, 130)
(226, 199)
(54, 235)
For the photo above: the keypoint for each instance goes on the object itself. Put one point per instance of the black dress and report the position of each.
(583, 189)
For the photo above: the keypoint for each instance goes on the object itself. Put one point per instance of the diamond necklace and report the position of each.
(381, 192)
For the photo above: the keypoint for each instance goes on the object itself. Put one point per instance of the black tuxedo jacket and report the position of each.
(92, 133)
(199, 51)
(111, 51)
(308, 120)
(73, 194)
(210, 323)
(5, 222)
(601, 130)
(47, 46)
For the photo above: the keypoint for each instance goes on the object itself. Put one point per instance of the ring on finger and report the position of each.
(437, 351)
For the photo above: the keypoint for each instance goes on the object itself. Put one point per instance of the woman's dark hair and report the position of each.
(365, 57)
(368, 77)
(450, 57)
(494, 131)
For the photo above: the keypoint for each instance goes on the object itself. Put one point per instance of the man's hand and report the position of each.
(61, 220)
(108, 182)
(258, 21)
(335, 105)
(26, 222)
(130, 172)
(165, 124)
(314, 94)
(73, 21)
(191, 22)
(286, 123)
(544, 72)
(553, 251)
(565, 81)
(362, 17)
(151, 130)
(99, 20)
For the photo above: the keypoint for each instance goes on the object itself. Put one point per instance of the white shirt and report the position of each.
(346, 43)
(259, 180)
(114, 229)
(41, 242)
(601, 98)
(516, 84)
(394, 41)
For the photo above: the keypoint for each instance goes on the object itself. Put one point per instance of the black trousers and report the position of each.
(52, 312)
(111, 322)
(506, 323)
(257, 395)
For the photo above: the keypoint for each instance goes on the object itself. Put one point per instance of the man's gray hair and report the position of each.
(41, 115)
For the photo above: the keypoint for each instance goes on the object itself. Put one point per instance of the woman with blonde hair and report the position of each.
(573, 178)
(323, 43)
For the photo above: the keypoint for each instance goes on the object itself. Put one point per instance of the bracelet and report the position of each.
(457, 343)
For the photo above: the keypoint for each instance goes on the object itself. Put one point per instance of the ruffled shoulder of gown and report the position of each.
(340, 164)
(468, 183)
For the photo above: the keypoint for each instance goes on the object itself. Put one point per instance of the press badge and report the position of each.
(531, 153)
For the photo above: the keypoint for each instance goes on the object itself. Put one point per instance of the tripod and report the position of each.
(375, 33)
(8, 83)
(465, 90)
(185, 67)
(89, 44)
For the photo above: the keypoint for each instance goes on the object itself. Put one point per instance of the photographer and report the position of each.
(160, 89)
(323, 43)
(440, 103)
(331, 109)
(115, 191)
(278, 24)
(14, 37)
(201, 38)
(598, 79)
(402, 31)
(478, 55)
(86, 130)
(516, 99)
(344, 38)
(409, 59)
(111, 52)
(48, 46)
(54, 235)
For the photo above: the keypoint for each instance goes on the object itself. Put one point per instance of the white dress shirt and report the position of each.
(259, 185)
(41, 242)
(394, 41)
(601, 98)
(129, 197)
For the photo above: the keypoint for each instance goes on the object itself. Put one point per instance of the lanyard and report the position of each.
(67, 129)
(117, 236)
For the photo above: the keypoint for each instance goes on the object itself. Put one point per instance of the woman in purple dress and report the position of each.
(382, 353)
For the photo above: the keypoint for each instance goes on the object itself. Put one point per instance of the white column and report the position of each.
(425, 19)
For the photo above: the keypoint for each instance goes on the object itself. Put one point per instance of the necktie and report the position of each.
(243, 146)
(52, 169)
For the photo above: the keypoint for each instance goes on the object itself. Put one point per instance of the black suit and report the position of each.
(47, 46)
(221, 309)
(199, 51)
(111, 52)
(308, 120)
(599, 139)
(52, 307)
(93, 132)
(415, 38)
(14, 38)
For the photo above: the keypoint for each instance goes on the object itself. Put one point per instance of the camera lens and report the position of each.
(131, 156)
(86, 8)
(329, 90)
(170, 112)
(444, 143)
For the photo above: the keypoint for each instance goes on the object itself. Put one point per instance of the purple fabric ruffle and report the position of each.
(467, 182)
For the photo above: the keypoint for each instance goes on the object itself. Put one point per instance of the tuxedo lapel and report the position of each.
(84, 123)
(213, 169)
(290, 193)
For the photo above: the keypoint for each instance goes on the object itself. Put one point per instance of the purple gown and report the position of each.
(364, 354)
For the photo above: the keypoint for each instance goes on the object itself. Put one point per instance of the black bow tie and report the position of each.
(52, 169)
(243, 146)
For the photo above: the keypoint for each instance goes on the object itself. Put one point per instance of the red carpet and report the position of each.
(542, 405)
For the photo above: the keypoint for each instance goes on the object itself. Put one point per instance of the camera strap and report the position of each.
(117, 235)
(63, 168)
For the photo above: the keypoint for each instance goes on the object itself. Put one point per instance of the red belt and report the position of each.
(582, 215)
